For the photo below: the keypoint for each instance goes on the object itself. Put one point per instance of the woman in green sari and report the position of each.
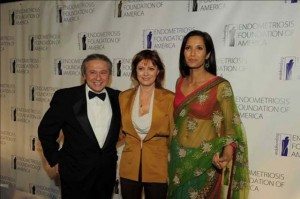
(208, 151)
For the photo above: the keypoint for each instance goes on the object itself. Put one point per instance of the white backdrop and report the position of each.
(257, 48)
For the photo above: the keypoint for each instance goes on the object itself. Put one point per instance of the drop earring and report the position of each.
(206, 64)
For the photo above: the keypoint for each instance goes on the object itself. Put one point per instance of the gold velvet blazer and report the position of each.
(151, 154)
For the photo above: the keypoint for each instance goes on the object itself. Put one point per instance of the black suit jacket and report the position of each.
(80, 156)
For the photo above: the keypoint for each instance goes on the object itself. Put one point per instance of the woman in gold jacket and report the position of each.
(147, 120)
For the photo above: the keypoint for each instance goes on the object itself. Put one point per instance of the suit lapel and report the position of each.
(113, 102)
(115, 119)
(80, 111)
(128, 109)
(158, 105)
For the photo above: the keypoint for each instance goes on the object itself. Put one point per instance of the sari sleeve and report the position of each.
(234, 129)
(228, 108)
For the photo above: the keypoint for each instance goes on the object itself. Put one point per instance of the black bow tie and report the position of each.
(100, 95)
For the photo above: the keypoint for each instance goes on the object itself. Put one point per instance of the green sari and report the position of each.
(205, 122)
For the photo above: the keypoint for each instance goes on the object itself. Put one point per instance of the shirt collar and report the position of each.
(87, 89)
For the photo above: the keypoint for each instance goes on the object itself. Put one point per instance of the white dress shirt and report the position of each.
(99, 113)
(142, 123)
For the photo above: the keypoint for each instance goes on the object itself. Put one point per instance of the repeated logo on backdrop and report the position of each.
(258, 107)
(43, 42)
(23, 16)
(7, 90)
(205, 5)
(41, 93)
(164, 38)
(291, 1)
(98, 40)
(132, 8)
(261, 179)
(7, 180)
(25, 115)
(7, 137)
(257, 33)
(67, 66)
(240, 34)
(121, 67)
(6, 41)
(26, 165)
(23, 65)
(289, 68)
(231, 65)
(33, 143)
(68, 11)
(44, 191)
(287, 145)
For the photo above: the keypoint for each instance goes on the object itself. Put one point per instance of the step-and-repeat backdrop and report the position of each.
(257, 45)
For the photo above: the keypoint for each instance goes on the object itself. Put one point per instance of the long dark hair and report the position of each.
(153, 56)
(209, 45)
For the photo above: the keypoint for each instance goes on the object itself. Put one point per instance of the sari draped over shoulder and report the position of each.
(206, 121)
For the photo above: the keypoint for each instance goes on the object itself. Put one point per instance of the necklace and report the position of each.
(145, 102)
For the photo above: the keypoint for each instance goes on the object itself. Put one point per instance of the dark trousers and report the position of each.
(97, 185)
(133, 190)
(99, 190)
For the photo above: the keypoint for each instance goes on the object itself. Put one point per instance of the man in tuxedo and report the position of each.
(89, 118)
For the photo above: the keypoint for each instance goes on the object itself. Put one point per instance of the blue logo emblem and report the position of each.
(289, 69)
(285, 146)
